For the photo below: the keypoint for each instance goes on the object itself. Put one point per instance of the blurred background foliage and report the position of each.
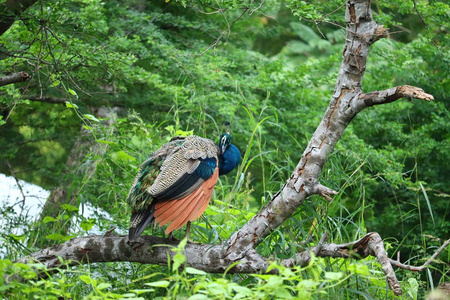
(167, 68)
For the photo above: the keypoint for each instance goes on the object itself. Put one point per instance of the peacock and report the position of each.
(175, 184)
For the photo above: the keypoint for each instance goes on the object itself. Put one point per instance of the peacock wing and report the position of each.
(139, 198)
(179, 176)
(185, 169)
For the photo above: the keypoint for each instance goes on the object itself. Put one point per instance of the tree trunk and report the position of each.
(66, 192)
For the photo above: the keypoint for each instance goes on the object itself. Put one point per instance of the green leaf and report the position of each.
(131, 296)
(190, 270)
(48, 219)
(17, 237)
(72, 92)
(427, 201)
(56, 237)
(87, 279)
(106, 142)
(182, 243)
(123, 156)
(161, 283)
(242, 290)
(308, 284)
(178, 260)
(142, 291)
(55, 83)
(199, 297)
(69, 207)
(413, 288)
(359, 269)
(104, 285)
(333, 275)
(87, 224)
(91, 117)
(71, 105)
(283, 293)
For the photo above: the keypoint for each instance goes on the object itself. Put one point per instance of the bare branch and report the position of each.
(206, 257)
(397, 263)
(49, 100)
(14, 78)
(313, 186)
(370, 244)
(146, 250)
(393, 94)
(213, 44)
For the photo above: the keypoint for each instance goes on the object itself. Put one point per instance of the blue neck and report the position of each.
(229, 159)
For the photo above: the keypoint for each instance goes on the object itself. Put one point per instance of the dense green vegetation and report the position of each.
(162, 67)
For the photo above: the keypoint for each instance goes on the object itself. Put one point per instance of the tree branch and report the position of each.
(14, 78)
(10, 10)
(425, 265)
(395, 93)
(209, 258)
(370, 244)
(49, 100)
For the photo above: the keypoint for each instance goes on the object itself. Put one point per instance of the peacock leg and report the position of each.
(188, 231)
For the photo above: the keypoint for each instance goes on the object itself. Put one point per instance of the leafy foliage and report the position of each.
(271, 73)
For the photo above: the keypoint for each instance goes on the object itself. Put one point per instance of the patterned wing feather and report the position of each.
(140, 200)
(174, 184)
(183, 162)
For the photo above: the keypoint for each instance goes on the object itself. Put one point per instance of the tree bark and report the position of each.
(10, 10)
(14, 78)
(209, 258)
(346, 102)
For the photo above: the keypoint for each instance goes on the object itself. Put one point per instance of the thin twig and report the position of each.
(426, 26)
(398, 264)
(213, 44)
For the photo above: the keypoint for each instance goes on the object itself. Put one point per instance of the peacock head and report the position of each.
(229, 156)
(225, 142)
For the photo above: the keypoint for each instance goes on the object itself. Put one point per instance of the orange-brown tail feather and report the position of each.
(207, 197)
(183, 217)
(174, 210)
(189, 208)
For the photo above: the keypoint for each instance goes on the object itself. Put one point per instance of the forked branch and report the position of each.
(425, 265)
(209, 258)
